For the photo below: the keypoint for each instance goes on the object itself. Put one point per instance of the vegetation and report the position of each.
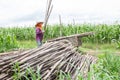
(29, 74)
(21, 33)
(103, 34)
(107, 67)
(7, 42)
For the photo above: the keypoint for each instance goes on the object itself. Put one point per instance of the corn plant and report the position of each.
(103, 33)
(7, 42)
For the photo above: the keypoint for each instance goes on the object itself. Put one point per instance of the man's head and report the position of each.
(39, 25)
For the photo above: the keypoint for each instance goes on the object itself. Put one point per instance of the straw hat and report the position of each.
(39, 23)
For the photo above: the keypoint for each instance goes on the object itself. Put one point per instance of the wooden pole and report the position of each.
(73, 21)
(48, 12)
(60, 25)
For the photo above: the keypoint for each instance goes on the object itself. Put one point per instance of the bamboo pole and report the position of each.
(48, 12)
(60, 25)
(47, 18)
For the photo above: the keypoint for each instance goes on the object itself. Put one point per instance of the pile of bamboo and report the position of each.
(51, 58)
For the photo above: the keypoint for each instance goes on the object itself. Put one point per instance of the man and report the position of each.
(39, 33)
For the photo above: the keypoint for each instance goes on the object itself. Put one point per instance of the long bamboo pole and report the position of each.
(60, 25)
(48, 12)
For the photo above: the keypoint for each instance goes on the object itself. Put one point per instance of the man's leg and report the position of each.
(39, 43)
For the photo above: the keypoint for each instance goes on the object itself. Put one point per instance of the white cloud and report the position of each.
(98, 6)
(16, 8)
(82, 9)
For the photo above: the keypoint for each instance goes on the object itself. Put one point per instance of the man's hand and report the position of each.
(43, 31)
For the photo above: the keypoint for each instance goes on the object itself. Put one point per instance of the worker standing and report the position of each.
(39, 33)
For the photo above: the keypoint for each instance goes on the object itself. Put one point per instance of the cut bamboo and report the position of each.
(50, 59)
(74, 39)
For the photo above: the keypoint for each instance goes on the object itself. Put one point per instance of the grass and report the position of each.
(95, 48)
(27, 44)
(108, 67)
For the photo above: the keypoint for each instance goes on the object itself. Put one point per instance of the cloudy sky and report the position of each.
(28, 12)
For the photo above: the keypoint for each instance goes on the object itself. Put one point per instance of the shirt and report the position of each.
(39, 34)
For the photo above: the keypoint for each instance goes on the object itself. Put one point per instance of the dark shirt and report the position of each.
(39, 34)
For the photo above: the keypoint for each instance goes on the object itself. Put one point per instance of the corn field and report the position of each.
(103, 34)
(7, 42)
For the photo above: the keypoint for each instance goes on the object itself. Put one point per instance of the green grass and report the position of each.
(96, 48)
(27, 44)
(108, 67)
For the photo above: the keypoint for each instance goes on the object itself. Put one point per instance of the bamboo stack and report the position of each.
(51, 58)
